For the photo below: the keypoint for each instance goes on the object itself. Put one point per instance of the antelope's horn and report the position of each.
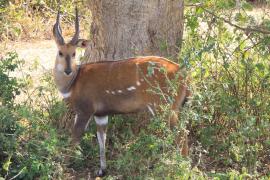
(77, 29)
(57, 31)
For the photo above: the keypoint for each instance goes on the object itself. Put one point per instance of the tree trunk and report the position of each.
(127, 28)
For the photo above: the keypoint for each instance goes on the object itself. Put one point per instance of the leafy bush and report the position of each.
(10, 86)
(31, 19)
(29, 146)
(227, 53)
(9, 129)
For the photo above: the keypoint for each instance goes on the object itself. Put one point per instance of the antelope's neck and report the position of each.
(63, 82)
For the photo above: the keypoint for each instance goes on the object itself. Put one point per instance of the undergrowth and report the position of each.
(227, 53)
(30, 147)
(227, 58)
(26, 20)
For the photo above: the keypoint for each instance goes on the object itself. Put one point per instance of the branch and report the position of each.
(247, 29)
(21, 171)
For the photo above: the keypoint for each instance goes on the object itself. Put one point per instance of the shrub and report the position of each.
(230, 72)
(30, 147)
(31, 19)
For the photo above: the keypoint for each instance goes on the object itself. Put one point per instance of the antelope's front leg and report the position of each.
(80, 124)
(101, 122)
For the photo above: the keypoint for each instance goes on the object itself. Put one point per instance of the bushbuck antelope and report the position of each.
(113, 87)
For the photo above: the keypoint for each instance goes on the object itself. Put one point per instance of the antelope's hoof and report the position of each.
(101, 173)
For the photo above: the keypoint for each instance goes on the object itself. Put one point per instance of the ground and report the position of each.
(38, 51)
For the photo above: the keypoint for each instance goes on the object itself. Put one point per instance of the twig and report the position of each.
(247, 29)
(14, 177)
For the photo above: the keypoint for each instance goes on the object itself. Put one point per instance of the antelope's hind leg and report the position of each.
(181, 139)
(101, 122)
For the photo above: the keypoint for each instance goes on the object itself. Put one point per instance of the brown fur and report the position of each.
(95, 79)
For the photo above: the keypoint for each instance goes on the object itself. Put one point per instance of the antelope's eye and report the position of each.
(60, 53)
(74, 54)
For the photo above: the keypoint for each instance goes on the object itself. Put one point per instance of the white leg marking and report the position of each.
(119, 91)
(101, 141)
(151, 110)
(107, 91)
(102, 120)
(66, 95)
(113, 92)
(131, 88)
(76, 119)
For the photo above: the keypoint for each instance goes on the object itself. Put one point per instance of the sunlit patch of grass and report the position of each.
(34, 20)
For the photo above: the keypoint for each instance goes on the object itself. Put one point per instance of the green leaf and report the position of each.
(150, 70)
(266, 23)
(7, 164)
(193, 23)
(225, 4)
(247, 6)
(260, 66)
(199, 10)
(241, 17)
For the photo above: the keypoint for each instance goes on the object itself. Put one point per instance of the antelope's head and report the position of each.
(65, 59)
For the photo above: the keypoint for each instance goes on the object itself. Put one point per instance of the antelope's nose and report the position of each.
(68, 71)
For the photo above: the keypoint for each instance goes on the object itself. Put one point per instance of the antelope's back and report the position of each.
(127, 85)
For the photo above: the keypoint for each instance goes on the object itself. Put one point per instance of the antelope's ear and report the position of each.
(82, 43)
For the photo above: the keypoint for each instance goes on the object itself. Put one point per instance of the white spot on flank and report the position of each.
(142, 80)
(138, 83)
(113, 92)
(151, 110)
(102, 120)
(107, 91)
(119, 91)
(131, 88)
(60, 67)
(66, 95)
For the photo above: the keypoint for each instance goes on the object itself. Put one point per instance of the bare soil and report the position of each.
(35, 53)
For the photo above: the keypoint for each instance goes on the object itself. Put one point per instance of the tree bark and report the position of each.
(127, 28)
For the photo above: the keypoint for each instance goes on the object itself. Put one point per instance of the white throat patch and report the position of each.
(66, 95)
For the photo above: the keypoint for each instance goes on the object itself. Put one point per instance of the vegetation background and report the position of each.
(226, 51)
